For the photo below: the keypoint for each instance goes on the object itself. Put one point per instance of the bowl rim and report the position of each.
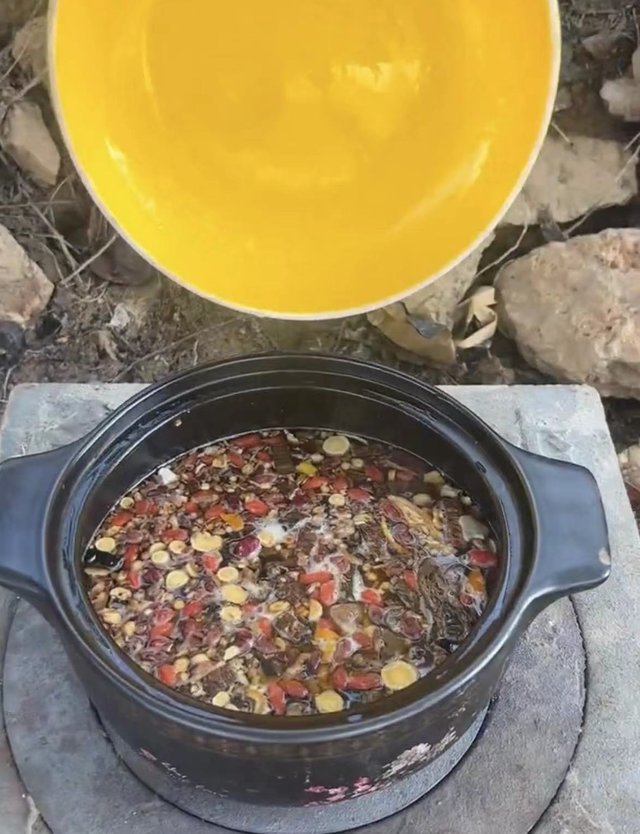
(554, 76)
(67, 501)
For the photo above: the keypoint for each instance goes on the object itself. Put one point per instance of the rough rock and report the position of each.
(563, 101)
(571, 179)
(120, 319)
(597, 6)
(423, 323)
(574, 310)
(15, 13)
(24, 288)
(602, 45)
(11, 341)
(629, 461)
(622, 95)
(26, 138)
(29, 48)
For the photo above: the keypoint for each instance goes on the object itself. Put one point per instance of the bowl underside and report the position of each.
(304, 159)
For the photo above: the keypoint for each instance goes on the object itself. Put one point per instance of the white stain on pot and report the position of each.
(174, 771)
(417, 756)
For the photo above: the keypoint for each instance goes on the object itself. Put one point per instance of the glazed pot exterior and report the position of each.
(547, 518)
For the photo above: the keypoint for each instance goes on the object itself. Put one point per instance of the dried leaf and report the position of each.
(432, 342)
(478, 309)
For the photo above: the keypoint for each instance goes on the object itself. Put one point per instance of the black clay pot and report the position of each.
(547, 516)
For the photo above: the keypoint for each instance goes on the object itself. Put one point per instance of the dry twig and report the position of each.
(80, 269)
(506, 254)
(155, 353)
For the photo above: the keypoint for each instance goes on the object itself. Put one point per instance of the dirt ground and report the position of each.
(114, 319)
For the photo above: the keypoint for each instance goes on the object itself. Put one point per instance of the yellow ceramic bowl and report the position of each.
(304, 158)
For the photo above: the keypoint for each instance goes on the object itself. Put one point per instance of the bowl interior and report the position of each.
(304, 159)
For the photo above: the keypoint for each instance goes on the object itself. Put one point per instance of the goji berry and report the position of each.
(161, 630)
(340, 484)
(192, 608)
(411, 579)
(328, 594)
(264, 456)
(175, 534)
(130, 554)
(257, 507)
(373, 473)
(122, 518)
(363, 639)
(315, 482)
(340, 678)
(482, 559)
(135, 579)
(236, 459)
(145, 507)
(211, 562)
(365, 682)
(215, 511)
(294, 688)
(317, 576)
(167, 675)
(264, 624)
(248, 441)
(191, 508)
(371, 596)
(277, 698)
(358, 494)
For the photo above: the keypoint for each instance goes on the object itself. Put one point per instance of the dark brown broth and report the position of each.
(291, 573)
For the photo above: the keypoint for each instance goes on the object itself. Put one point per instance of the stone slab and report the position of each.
(601, 794)
(80, 785)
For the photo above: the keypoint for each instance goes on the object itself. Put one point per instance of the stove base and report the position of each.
(318, 819)
(505, 782)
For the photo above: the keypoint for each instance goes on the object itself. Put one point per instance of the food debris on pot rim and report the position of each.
(291, 573)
